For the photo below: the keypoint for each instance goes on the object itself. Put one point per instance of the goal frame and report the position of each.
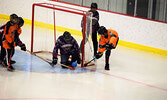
(64, 9)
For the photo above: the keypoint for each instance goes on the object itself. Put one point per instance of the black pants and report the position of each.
(9, 53)
(108, 53)
(95, 43)
(65, 58)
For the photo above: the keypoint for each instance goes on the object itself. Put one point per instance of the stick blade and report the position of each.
(72, 68)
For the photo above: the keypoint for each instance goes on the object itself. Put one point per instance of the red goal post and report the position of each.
(64, 9)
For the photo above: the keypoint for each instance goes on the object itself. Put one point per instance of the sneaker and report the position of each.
(11, 68)
(12, 62)
(107, 67)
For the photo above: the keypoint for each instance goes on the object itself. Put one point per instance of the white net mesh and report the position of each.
(44, 35)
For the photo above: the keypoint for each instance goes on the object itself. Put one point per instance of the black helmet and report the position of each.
(20, 21)
(67, 37)
(12, 17)
(94, 5)
(102, 30)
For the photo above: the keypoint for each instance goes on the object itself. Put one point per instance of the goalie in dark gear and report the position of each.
(108, 41)
(68, 46)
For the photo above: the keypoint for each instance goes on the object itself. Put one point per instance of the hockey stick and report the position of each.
(89, 62)
(70, 67)
(46, 60)
(40, 58)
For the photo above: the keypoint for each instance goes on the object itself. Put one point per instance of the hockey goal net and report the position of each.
(49, 21)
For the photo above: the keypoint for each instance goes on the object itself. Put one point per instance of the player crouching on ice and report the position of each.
(108, 40)
(68, 47)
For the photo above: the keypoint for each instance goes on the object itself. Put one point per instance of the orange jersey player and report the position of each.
(108, 40)
(10, 39)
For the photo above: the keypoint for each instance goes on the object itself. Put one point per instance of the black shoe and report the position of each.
(4, 63)
(12, 62)
(107, 67)
(11, 68)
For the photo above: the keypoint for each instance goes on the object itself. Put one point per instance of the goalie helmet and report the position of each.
(67, 37)
(94, 5)
(102, 30)
(20, 21)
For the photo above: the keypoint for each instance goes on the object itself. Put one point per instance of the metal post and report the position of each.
(83, 43)
(135, 10)
(54, 25)
(165, 4)
(32, 27)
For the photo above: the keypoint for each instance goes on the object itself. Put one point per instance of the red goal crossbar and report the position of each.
(61, 8)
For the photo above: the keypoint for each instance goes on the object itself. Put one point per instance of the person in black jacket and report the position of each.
(95, 27)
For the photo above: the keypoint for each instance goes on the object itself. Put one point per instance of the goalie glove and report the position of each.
(98, 55)
(54, 61)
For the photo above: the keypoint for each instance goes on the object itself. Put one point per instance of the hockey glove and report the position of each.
(54, 61)
(23, 47)
(79, 60)
(98, 55)
(109, 46)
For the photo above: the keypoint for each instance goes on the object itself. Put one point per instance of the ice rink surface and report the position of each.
(133, 75)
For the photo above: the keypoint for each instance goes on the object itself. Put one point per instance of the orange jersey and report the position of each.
(19, 31)
(9, 36)
(112, 38)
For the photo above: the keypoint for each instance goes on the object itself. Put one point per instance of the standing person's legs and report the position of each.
(8, 59)
(3, 54)
(95, 43)
(10, 54)
(12, 61)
